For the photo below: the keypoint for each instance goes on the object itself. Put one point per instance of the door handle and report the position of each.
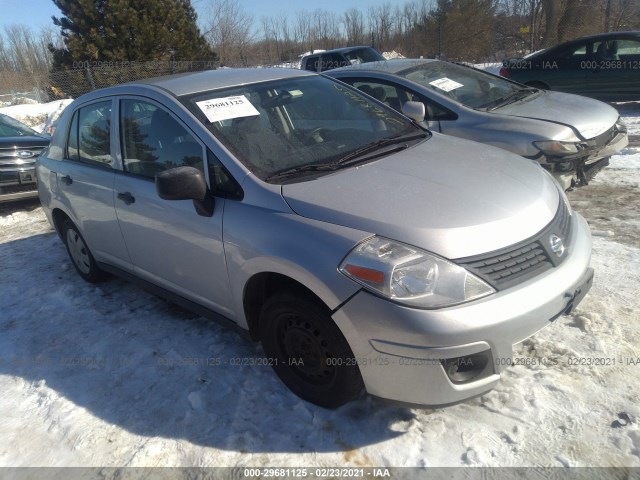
(67, 180)
(127, 198)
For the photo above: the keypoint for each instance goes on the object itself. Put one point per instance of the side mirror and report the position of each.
(414, 110)
(185, 183)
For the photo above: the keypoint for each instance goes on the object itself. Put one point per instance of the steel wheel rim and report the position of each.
(78, 251)
(298, 339)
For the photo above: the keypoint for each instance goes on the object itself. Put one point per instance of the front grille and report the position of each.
(513, 265)
(9, 160)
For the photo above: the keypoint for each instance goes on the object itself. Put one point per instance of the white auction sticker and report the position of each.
(218, 109)
(446, 84)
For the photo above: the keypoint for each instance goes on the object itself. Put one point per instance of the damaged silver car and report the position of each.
(572, 137)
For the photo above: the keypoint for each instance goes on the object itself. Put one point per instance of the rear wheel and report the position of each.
(308, 352)
(80, 254)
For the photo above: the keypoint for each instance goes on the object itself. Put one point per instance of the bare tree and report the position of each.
(25, 59)
(230, 31)
(354, 26)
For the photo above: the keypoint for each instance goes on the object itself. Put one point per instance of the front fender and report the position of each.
(305, 250)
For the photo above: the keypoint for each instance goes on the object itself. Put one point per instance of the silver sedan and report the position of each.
(571, 136)
(362, 250)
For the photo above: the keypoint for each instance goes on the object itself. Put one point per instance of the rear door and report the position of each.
(565, 69)
(614, 70)
(83, 182)
(169, 243)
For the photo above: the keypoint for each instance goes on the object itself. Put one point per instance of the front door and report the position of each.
(169, 244)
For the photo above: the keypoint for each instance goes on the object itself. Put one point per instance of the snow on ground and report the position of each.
(38, 116)
(110, 375)
(630, 113)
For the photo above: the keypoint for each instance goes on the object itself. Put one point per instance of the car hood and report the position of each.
(588, 116)
(25, 141)
(452, 197)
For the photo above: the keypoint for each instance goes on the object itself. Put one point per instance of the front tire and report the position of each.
(80, 254)
(308, 352)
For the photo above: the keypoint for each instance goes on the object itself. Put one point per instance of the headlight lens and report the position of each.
(558, 149)
(410, 275)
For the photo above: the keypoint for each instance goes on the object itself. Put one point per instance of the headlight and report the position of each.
(558, 149)
(410, 275)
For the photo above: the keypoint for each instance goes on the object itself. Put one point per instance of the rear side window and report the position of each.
(72, 141)
(311, 63)
(154, 141)
(90, 134)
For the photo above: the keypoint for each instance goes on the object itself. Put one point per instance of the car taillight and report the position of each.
(504, 72)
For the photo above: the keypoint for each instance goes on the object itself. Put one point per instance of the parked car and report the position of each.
(19, 147)
(361, 249)
(605, 66)
(339, 57)
(572, 137)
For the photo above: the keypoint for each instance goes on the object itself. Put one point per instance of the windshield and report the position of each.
(470, 87)
(363, 55)
(286, 124)
(13, 128)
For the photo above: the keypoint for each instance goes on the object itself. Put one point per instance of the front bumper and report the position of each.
(405, 354)
(18, 183)
(571, 171)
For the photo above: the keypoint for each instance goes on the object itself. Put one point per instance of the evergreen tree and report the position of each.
(125, 31)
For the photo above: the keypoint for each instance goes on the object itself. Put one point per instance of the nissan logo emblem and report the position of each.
(557, 246)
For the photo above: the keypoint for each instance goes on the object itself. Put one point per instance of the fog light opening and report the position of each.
(468, 368)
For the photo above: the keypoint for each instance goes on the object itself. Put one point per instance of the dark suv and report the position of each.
(19, 148)
(340, 57)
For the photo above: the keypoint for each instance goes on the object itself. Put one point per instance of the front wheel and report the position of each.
(308, 352)
(80, 254)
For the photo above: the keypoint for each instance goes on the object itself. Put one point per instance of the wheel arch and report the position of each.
(261, 286)
(59, 217)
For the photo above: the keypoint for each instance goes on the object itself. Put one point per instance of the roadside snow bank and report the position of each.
(38, 116)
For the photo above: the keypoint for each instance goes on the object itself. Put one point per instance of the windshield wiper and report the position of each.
(347, 159)
(312, 167)
(509, 99)
(377, 145)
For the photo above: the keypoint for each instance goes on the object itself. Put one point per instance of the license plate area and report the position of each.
(27, 177)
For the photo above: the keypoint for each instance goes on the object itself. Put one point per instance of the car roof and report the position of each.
(195, 82)
(389, 66)
(599, 36)
(340, 50)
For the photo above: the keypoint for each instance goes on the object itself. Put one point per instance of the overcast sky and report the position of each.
(37, 13)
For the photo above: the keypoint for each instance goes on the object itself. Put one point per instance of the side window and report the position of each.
(153, 141)
(395, 96)
(568, 57)
(387, 94)
(72, 140)
(333, 60)
(90, 134)
(626, 47)
(311, 63)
